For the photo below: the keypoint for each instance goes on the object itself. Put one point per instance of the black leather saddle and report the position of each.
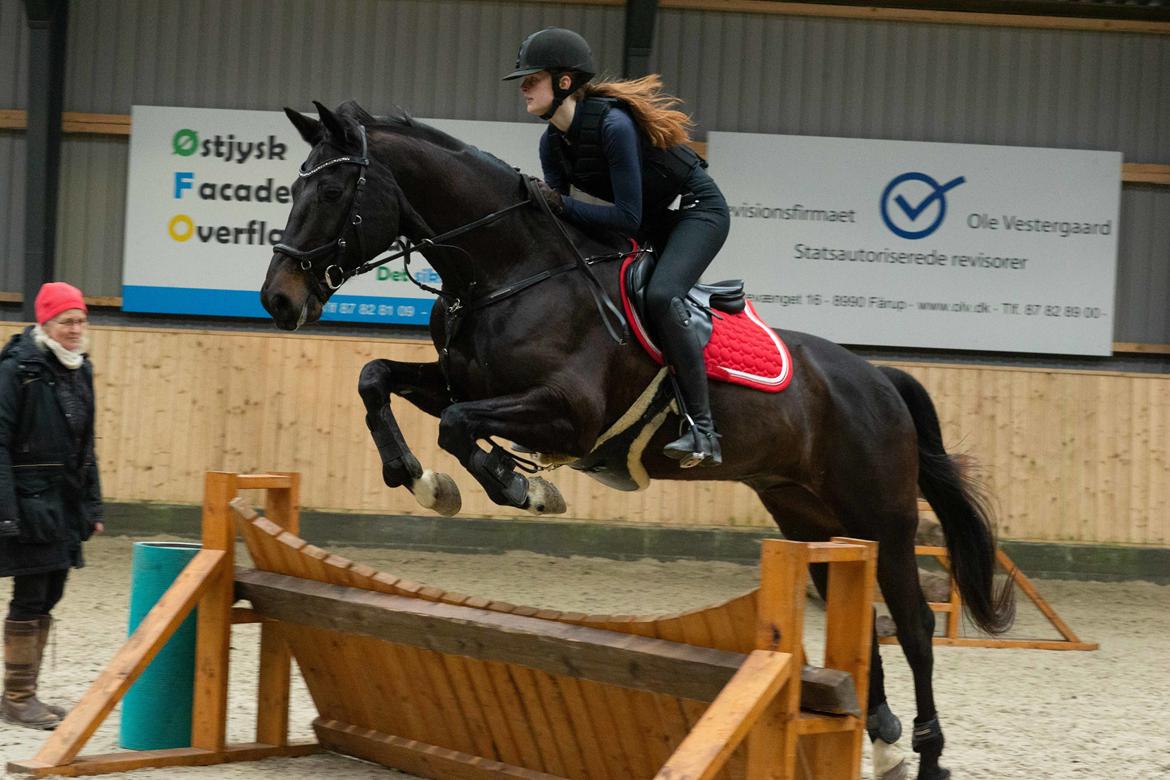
(726, 296)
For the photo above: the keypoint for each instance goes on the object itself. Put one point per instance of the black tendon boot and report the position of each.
(699, 443)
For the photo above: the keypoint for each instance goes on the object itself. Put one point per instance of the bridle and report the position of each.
(334, 275)
(353, 221)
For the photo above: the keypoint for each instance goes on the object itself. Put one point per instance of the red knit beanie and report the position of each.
(56, 297)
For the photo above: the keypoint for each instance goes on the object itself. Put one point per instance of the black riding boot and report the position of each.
(699, 444)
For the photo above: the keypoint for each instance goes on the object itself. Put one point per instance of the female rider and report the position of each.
(625, 142)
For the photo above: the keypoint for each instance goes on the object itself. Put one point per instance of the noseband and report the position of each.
(334, 275)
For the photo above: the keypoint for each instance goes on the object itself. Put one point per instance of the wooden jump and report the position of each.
(952, 609)
(445, 685)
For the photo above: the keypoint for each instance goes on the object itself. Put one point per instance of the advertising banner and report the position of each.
(209, 193)
(894, 243)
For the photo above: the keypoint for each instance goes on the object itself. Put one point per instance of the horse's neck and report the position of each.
(449, 190)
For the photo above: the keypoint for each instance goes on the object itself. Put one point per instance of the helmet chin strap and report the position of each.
(559, 94)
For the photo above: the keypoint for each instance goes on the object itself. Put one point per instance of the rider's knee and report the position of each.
(658, 302)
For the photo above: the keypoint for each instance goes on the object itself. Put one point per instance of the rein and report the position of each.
(333, 276)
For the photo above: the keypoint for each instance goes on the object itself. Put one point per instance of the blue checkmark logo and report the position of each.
(914, 205)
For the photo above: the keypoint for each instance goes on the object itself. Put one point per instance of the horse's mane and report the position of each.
(402, 123)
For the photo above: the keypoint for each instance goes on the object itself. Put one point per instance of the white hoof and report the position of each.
(544, 498)
(437, 491)
(889, 761)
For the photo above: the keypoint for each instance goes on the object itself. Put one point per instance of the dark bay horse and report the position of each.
(524, 356)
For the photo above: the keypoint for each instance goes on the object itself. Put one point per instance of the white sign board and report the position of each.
(895, 243)
(209, 194)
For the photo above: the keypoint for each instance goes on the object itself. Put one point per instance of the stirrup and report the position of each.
(695, 448)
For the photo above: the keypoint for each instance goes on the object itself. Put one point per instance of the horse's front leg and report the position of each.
(537, 418)
(423, 385)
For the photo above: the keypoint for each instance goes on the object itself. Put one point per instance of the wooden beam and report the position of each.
(1141, 349)
(626, 660)
(71, 122)
(557, 648)
(417, 758)
(106, 763)
(729, 719)
(913, 15)
(834, 11)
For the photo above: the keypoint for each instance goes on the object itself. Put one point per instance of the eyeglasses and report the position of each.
(73, 323)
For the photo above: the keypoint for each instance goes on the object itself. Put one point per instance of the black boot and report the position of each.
(699, 443)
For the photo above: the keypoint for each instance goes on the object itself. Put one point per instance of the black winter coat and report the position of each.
(48, 471)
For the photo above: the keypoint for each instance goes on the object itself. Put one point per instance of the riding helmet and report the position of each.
(556, 50)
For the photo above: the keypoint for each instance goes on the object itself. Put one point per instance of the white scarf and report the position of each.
(68, 358)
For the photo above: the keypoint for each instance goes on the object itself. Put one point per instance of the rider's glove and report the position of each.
(553, 198)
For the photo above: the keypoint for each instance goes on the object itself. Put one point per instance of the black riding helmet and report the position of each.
(558, 51)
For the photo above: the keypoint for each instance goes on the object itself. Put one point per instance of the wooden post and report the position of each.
(281, 506)
(213, 637)
(780, 626)
(848, 635)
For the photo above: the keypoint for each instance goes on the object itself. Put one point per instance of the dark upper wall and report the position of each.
(736, 71)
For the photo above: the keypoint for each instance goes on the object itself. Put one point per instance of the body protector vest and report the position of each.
(582, 158)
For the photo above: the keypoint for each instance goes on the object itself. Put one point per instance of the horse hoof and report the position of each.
(544, 498)
(889, 761)
(937, 774)
(437, 491)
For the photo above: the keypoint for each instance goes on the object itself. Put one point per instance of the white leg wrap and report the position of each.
(889, 761)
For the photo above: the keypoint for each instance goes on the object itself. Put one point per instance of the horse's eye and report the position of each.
(331, 193)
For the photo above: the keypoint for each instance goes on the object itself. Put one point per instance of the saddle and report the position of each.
(738, 346)
(727, 296)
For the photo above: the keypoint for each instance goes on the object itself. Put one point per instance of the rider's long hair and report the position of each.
(653, 110)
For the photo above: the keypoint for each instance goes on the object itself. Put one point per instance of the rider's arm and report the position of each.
(619, 140)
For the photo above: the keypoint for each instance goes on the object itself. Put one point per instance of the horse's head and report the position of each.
(326, 236)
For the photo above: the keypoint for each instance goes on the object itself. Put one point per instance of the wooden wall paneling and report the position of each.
(1067, 455)
(1120, 458)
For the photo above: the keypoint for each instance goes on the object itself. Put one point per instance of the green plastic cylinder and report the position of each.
(156, 711)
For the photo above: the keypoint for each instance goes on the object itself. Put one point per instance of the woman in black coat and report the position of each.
(50, 497)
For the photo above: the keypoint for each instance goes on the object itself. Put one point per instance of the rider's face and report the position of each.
(537, 92)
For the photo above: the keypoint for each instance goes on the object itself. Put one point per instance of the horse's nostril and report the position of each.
(277, 304)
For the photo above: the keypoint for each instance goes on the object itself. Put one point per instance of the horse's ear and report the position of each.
(333, 125)
(309, 128)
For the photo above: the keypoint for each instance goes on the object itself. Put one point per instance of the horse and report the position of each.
(527, 353)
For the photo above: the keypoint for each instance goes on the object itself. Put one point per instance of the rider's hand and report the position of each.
(553, 198)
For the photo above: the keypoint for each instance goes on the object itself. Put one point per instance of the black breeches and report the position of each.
(698, 232)
(34, 595)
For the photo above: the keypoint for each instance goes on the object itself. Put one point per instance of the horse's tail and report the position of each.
(962, 509)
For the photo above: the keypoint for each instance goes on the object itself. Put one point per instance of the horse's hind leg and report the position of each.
(423, 385)
(898, 578)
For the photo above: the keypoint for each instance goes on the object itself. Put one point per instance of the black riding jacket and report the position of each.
(48, 471)
(605, 155)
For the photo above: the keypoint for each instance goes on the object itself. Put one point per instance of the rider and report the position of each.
(625, 142)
